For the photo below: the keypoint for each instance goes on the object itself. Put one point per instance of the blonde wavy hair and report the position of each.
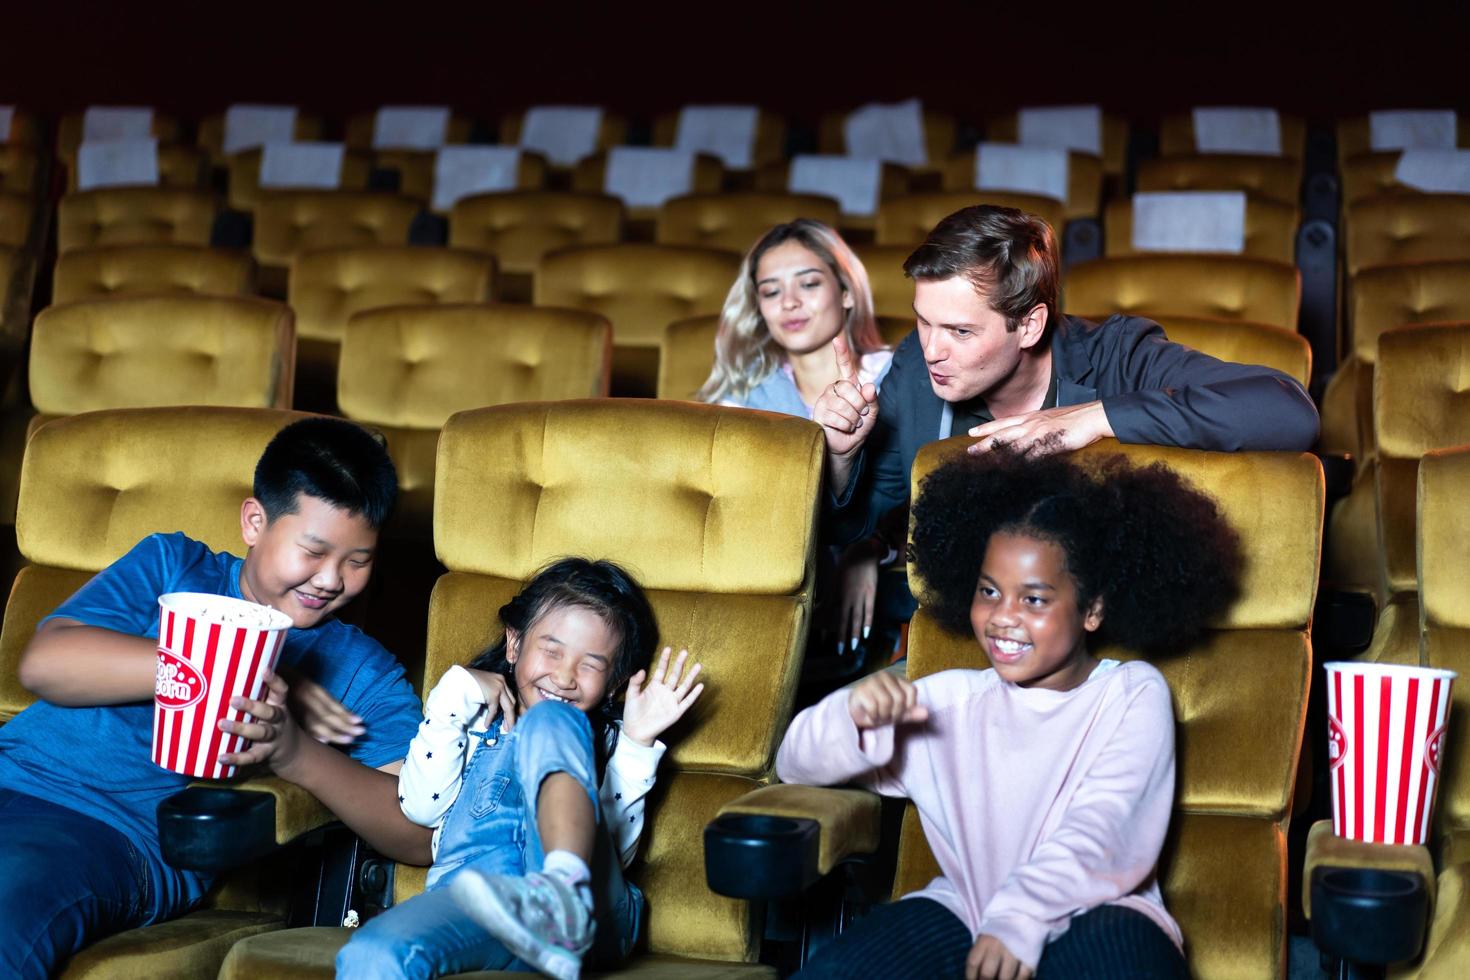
(745, 351)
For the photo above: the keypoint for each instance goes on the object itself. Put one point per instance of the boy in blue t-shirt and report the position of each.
(78, 788)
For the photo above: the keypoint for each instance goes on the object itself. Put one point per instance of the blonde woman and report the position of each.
(799, 289)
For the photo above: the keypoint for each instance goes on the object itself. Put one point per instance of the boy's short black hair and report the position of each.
(331, 459)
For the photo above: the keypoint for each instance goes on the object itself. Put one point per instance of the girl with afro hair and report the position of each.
(1044, 784)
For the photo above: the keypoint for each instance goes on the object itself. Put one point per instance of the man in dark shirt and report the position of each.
(994, 358)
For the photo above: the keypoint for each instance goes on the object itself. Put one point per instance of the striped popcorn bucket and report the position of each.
(1385, 745)
(210, 648)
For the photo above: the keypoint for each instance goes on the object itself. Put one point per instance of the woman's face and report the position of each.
(800, 298)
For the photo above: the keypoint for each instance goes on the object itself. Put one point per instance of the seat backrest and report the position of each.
(1270, 230)
(1268, 178)
(245, 192)
(1384, 297)
(1177, 139)
(69, 130)
(153, 350)
(134, 216)
(612, 132)
(288, 222)
(415, 366)
(680, 495)
(113, 270)
(589, 176)
(16, 213)
(1444, 604)
(520, 227)
(358, 133)
(17, 168)
(178, 166)
(1084, 182)
(1354, 136)
(940, 130)
(1397, 228)
(770, 136)
(210, 136)
(328, 285)
(1240, 700)
(1225, 287)
(1006, 129)
(893, 292)
(735, 222)
(640, 288)
(686, 356)
(1370, 175)
(908, 220)
(1418, 406)
(1240, 341)
(94, 485)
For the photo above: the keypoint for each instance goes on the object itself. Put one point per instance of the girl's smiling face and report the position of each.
(565, 655)
(1025, 614)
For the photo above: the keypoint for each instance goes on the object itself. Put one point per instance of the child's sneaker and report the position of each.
(539, 917)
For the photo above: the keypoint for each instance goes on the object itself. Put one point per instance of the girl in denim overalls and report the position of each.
(528, 852)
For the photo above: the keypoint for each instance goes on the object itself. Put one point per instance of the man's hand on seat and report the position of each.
(1050, 430)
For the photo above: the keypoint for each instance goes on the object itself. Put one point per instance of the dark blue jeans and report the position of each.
(66, 880)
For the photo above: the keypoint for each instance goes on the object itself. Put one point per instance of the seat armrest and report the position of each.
(1372, 901)
(779, 840)
(212, 828)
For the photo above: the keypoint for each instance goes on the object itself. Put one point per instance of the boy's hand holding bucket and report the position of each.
(215, 654)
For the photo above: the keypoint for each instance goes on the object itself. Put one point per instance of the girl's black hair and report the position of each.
(606, 590)
(1155, 549)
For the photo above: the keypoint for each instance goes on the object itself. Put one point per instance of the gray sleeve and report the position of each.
(1166, 394)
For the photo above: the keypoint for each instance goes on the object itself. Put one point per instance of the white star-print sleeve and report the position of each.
(430, 778)
(629, 777)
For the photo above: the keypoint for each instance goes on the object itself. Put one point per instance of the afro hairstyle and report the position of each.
(1155, 549)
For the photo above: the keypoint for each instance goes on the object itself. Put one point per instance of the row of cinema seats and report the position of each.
(1240, 698)
(726, 590)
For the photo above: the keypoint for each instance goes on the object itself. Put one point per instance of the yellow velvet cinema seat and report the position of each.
(1270, 230)
(288, 222)
(1112, 133)
(156, 350)
(735, 221)
(210, 136)
(767, 147)
(728, 567)
(243, 177)
(93, 485)
(687, 352)
(17, 214)
(1161, 286)
(893, 292)
(1240, 700)
(908, 220)
(18, 165)
(940, 132)
(612, 131)
(114, 270)
(894, 182)
(520, 227)
(1177, 137)
(1440, 638)
(328, 285)
(415, 167)
(589, 176)
(1355, 136)
(135, 216)
(1399, 228)
(70, 130)
(641, 289)
(1084, 182)
(406, 369)
(1269, 178)
(1417, 407)
(178, 166)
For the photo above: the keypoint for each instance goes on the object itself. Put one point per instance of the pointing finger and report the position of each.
(844, 357)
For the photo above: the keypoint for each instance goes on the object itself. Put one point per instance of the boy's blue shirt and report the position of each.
(96, 760)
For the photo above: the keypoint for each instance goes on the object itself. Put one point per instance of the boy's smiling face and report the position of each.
(307, 564)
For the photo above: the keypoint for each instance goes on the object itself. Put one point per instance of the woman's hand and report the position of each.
(320, 715)
(650, 709)
(497, 695)
(272, 730)
(990, 960)
(858, 580)
(885, 698)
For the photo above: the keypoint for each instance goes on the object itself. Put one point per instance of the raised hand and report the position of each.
(885, 698)
(847, 408)
(497, 695)
(272, 730)
(651, 708)
(320, 715)
(1050, 430)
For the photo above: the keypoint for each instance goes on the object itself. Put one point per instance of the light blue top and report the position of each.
(778, 392)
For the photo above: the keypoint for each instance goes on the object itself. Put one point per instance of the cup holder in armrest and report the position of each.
(753, 856)
(1366, 915)
(213, 830)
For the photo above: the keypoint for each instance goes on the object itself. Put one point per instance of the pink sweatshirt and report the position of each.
(1038, 805)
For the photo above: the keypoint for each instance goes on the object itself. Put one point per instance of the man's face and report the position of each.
(308, 564)
(966, 345)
